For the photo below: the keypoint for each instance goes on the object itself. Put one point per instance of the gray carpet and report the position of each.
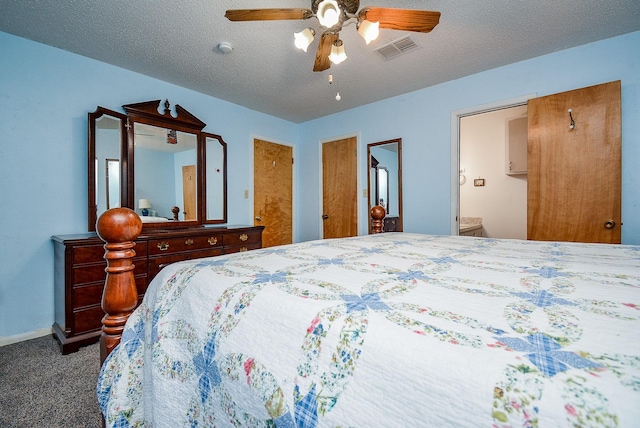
(40, 387)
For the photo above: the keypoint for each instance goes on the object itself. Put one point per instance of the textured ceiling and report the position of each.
(177, 42)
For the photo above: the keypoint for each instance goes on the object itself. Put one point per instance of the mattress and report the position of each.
(394, 329)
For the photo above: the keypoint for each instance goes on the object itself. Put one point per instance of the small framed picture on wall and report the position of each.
(478, 182)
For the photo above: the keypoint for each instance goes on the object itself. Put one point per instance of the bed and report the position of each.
(391, 329)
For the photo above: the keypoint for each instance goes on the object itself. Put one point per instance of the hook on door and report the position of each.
(572, 125)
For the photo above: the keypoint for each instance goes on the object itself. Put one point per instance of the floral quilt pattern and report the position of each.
(395, 329)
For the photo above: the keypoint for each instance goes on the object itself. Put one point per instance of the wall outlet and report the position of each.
(246, 194)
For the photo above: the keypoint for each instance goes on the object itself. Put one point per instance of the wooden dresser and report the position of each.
(79, 271)
(391, 224)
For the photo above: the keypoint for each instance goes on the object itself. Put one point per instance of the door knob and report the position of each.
(324, 216)
(259, 218)
(609, 224)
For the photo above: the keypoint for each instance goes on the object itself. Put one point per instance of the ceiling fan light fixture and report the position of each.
(304, 38)
(369, 30)
(337, 52)
(328, 13)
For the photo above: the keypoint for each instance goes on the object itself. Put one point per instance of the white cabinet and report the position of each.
(516, 146)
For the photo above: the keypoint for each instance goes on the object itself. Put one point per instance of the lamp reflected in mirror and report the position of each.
(143, 206)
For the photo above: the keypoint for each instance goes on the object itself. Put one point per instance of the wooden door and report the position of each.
(189, 192)
(574, 181)
(339, 188)
(273, 192)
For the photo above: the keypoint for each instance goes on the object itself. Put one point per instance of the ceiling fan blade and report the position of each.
(267, 14)
(324, 49)
(421, 21)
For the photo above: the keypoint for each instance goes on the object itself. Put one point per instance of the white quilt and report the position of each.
(388, 330)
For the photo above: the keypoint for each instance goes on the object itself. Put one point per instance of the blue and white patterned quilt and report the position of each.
(385, 330)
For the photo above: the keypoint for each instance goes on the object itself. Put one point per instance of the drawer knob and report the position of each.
(213, 241)
(163, 246)
(188, 241)
(244, 237)
(243, 249)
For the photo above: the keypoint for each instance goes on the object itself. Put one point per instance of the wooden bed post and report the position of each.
(119, 228)
(377, 214)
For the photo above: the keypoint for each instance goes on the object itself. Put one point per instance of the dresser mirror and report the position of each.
(168, 171)
(385, 178)
(165, 171)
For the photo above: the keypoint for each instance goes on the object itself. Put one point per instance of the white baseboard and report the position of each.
(8, 340)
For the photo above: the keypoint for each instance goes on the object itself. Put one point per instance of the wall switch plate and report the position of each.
(246, 194)
(365, 193)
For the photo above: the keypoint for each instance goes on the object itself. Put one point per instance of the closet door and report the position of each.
(339, 188)
(273, 192)
(574, 166)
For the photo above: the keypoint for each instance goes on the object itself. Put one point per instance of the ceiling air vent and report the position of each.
(397, 47)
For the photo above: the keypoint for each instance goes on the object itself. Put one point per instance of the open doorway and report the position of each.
(493, 173)
(479, 172)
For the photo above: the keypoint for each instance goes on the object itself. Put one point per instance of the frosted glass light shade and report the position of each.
(328, 13)
(369, 30)
(304, 38)
(337, 52)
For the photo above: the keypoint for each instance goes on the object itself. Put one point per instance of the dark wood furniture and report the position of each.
(80, 269)
(391, 224)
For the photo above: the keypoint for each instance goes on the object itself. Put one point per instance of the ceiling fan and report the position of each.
(333, 15)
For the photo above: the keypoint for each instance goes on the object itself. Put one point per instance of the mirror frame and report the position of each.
(397, 141)
(92, 199)
(203, 184)
(148, 113)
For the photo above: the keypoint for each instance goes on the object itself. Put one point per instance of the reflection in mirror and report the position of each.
(382, 189)
(216, 177)
(106, 139)
(113, 183)
(385, 178)
(165, 172)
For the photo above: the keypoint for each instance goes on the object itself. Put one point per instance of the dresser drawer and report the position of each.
(243, 238)
(95, 272)
(156, 264)
(93, 253)
(87, 295)
(205, 253)
(242, 248)
(186, 243)
(87, 319)
(88, 254)
(91, 294)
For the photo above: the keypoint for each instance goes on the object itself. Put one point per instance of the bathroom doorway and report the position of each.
(493, 173)
(478, 173)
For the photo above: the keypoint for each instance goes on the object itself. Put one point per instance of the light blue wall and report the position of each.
(423, 120)
(46, 93)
